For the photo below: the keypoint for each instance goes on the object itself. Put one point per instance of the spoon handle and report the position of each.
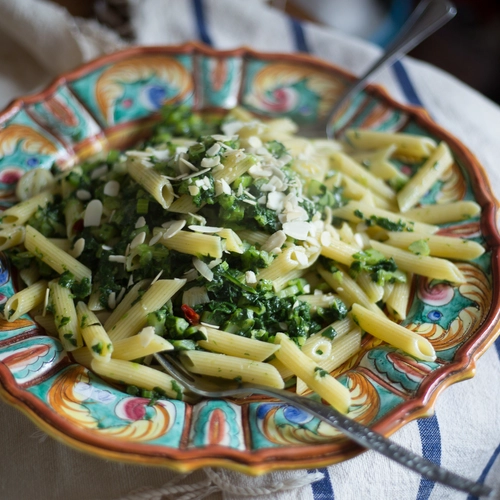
(373, 440)
(428, 17)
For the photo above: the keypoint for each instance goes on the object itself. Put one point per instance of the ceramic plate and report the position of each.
(113, 101)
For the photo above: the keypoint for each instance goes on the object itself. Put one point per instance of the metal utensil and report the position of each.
(428, 17)
(350, 428)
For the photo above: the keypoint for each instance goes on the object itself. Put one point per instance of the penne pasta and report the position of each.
(146, 342)
(232, 368)
(11, 237)
(439, 246)
(315, 377)
(93, 333)
(20, 213)
(140, 375)
(432, 267)
(350, 168)
(439, 161)
(349, 291)
(53, 256)
(355, 211)
(445, 213)
(398, 300)
(65, 316)
(319, 345)
(135, 318)
(194, 244)
(24, 301)
(343, 348)
(407, 145)
(157, 185)
(235, 345)
(131, 296)
(392, 333)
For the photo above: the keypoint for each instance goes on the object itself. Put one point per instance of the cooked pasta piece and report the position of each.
(24, 301)
(34, 182)
(11, 237)
(439, 161)
(73, 211)
(135, 318)
(444, 213)
(230, 367)
(157, 185)
(343, 348)
(57, 259)
(319, 345)
(392, 333)
(355, 211)
(194, 243)
(348, 290)
(65, 316)
(232, 241)
(339, 251)
(126, 303)
(350, 168)
(30, 275)
(146, 342)
(253, 237)
(398, 300)
(95, 336)
(373, 291)
(139, 375)
(235, 345)
(317, 379)
(47, 322)
(20, 213)
(432, 267)
(407, 145)
(440, 246)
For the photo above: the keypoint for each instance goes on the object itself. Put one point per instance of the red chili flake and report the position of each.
(190, 314)
(78, 226)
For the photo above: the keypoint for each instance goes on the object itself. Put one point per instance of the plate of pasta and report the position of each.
(160, 199)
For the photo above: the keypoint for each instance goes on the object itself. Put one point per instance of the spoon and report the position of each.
(428, 17)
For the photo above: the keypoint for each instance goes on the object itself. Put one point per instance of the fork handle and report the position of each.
(428, 17)
(375, 441)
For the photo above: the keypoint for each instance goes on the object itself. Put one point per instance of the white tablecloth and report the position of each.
(38, 40)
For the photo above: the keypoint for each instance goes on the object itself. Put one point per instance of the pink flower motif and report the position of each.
(3, 298)
(10, 175)
(127, 103)
(437, 295)
(132, 408)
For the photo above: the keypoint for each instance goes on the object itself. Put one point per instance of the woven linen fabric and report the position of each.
(38, 40)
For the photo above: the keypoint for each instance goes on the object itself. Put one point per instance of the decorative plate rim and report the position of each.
(256, 462)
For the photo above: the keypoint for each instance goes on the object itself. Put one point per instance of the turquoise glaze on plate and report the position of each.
(62, 112)
(219, 81)
(111, 102)
(85, 400)
(32, 358)
(216, 422)
(24, 145)
(135, 88)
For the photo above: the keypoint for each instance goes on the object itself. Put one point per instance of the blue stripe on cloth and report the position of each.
(483, 475)
(497, 346)
(299, 35)
(322, 489)
(199, 12)
(430, 436)
(406, 85)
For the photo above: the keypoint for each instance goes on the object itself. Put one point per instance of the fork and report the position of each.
(428, 17)
(362, 435)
